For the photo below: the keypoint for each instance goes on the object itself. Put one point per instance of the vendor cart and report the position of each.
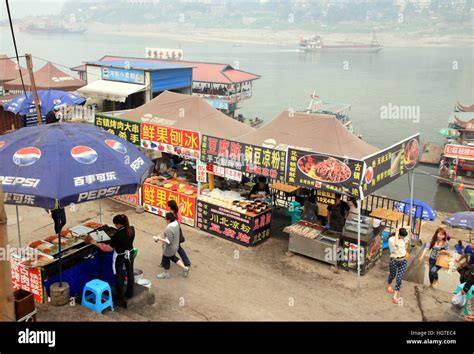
(35, 270)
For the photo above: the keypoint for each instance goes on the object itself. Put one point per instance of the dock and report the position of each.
(431, 154)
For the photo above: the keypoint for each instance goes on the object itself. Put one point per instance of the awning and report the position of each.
(110, 90)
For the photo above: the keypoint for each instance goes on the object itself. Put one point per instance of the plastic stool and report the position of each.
(97, 296)
(468, 296)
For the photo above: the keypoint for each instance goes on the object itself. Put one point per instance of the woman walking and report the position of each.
(398, 262)
(437, 246)
(182, 253)
(170, 243)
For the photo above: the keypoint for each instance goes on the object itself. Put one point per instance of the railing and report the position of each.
(372, 202)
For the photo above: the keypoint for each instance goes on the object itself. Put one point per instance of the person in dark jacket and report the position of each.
(122, 246)
(59, 218)
(260, 190)
(51, 116)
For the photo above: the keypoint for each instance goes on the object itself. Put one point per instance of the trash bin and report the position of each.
(24, 304)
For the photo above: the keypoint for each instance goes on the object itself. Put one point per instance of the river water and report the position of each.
(428, 79)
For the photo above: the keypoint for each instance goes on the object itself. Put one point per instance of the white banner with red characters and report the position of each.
(233, 175)
(459, 151)
(28, 279)
(155, 200)
(201, 172)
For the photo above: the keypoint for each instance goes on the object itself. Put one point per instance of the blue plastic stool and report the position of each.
(468, 296)
(97, 296)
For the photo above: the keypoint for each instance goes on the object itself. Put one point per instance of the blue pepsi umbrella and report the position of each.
(461, 220)
(49, 99)
(54, 165)
(427, 213)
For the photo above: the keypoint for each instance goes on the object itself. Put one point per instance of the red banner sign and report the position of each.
(169, 139)
(28, 279)
(155, 201)
(459, 151)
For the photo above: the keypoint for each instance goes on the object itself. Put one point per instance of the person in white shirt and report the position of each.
(170, 246)
(398, 262)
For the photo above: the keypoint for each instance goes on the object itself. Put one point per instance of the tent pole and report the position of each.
(7, 308)
(412, 184)
(358, 240)
(18, 225)
(60, 260)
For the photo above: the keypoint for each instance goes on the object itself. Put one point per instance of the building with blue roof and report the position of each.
(127, 84)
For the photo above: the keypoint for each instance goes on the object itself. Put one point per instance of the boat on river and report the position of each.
(46, 27)
(340, 110)
(315, 44)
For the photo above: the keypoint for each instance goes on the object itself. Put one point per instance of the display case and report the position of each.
(234, 223)
(309, 239)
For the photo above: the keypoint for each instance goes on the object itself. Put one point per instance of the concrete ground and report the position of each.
(235, 283)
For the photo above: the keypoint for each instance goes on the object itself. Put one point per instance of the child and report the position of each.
(459, 248)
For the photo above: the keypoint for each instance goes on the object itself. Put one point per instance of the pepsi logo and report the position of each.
(26, 156)
(117, 146)
(84, 154)
(105, 72)
(56, 101)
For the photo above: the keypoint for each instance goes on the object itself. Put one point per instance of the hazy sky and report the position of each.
(22, 8)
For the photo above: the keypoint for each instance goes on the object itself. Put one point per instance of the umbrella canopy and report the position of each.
(56, 165)
(48, 100)
(427, 213)
(48, 77)
(449, 133)
(461, 220)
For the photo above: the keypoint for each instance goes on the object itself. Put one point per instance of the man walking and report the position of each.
(170, 246)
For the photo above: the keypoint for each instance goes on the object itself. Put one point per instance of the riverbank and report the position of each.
(188, 33)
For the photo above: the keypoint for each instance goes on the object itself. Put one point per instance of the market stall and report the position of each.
(232, 159)
(321, 155)
(60, 165)
(171, 126)
(36, 267)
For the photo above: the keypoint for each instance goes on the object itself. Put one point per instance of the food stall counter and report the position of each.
(245, 222)
(36, 266)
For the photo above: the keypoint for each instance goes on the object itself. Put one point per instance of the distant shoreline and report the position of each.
(283, 38)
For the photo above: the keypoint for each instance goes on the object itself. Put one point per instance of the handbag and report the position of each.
(181, 236)
(443, 261)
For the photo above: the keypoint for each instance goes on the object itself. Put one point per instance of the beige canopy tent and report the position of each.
(9, 70)
(321, 133)
(48, 77)
(189, 113)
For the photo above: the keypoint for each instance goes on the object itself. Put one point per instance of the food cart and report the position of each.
(228, 213)
(36, 267)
